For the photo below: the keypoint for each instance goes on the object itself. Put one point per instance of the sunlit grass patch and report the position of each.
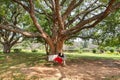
(92, 56)
(13, 59)
(116, 77)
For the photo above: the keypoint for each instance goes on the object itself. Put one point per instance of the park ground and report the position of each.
(85, 66)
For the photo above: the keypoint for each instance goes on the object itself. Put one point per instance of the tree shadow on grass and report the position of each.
(76, 69)
(16, 59)
(85, 69)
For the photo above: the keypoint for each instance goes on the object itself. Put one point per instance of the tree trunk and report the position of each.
(58, 48)
(6, 48)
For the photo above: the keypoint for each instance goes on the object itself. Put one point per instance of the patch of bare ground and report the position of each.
(74, 70)
(92, 70)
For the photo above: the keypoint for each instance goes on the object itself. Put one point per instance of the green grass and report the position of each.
(13, 62)
(117, 77)
(12, 59)
(92, 56)
(29, 59)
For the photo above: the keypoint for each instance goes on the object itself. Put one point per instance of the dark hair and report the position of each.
(60, 54)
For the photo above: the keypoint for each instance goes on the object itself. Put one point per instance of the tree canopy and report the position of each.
(58, 20)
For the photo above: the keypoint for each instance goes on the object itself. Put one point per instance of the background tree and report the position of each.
(9, 15)
(65, 17)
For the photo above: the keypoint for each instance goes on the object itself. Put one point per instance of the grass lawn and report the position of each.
(11, 64)
(92, 56)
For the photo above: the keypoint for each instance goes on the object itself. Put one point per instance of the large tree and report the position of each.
(65, 17)
(9, 39)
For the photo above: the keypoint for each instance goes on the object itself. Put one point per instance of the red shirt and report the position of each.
(58, 59)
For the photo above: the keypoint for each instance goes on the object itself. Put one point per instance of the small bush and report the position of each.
(94, 50)
(17, 50)
(111, 50)
(34, 50)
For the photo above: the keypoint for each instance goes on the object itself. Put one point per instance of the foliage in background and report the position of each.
(106, 33)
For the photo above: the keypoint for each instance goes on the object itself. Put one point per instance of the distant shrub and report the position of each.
(111, 50)
(17, 50)
(94, 51)
(34, 50)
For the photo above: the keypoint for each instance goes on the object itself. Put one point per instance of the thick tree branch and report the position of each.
(96, 18)
(31, 11)
(25, 7)
(36, 23)
(69, 9)
(83, 12)
(18, 30)
(82, 23)
(107, 12)
(71, 6)
(59, 18)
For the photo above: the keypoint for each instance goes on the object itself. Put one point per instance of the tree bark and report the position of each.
(6, 48)
(57, 47)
